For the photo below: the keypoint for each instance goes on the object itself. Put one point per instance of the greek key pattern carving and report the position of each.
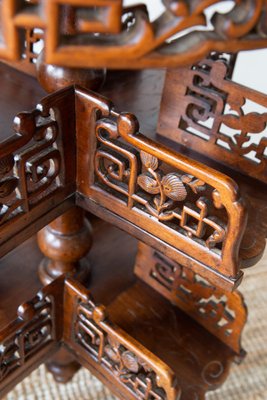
(129, 31)
(215, 116)
(134, 367)
(162, 191)
(30, 164)
(138, 177)
(222, 313)
(29, 337)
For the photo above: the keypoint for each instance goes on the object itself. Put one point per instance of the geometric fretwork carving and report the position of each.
(221, 313)
(177, 200)
(93, 336)
(30, 169)
(26, 342)
(126, 36)
(65, 313)
(194, 209)
(185, 204)
(33, 164)
(32, 337)
(210, 114)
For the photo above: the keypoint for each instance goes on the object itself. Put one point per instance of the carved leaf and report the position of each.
(130, 361)
(114, 343)
(173, 187)
(148, 184)
(196, 185)
(7, 187)
(6, 164)
(253, 122)
(113, 355)
(149, 161)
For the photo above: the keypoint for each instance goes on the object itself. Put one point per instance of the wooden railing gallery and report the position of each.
(126, 37)
(98, 158)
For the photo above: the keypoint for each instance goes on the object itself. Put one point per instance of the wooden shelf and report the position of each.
(200, 361)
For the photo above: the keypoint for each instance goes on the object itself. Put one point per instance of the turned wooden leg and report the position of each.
(65, 242)
(67, 239)
(63, 366)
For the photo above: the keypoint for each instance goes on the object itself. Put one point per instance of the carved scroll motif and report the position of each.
(213, 115)
(192, 208)
(30, 163)
(71, 40)
(131, 365)
(138, 176)
(222, 313)
(123, 363)
(30, 337)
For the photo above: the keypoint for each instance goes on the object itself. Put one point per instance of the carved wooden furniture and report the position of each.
(167, 323)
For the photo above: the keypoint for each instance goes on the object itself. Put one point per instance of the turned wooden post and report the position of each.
(65, 242)
(68, 239)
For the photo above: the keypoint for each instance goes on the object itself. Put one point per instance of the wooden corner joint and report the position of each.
(190, 207)
(193, 209)
(64, 312)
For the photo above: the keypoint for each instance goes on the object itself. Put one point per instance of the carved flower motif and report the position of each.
(173, 187)
(130, 361)
(149, 161)
(148, 184)
(112, 354)
(112, 349)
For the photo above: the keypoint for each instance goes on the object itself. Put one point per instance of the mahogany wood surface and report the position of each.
(102, 255)
(126, 340)
(127, 36)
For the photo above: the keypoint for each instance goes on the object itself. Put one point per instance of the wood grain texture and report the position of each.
(139, 344)
(221, 313)
(211, 116)
(127, 38)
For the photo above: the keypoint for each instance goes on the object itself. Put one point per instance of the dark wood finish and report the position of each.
(37, 174)
(136, 178)
(95, 129)
(33, 336)
(144, 339)
(52, 77)
(102, 255)
(140, 179)
(134, 364)
(219, 312)
(65, 242)
(204, 93)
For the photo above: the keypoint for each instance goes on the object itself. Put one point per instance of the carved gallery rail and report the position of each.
(182, 34)
(37, 169)
(33, 337)
(64, 313)
(204, 109)
(160, 196)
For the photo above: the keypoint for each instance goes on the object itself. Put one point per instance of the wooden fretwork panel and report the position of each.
(204, 110)
(221, 313)
(126, 36)
(162, 193)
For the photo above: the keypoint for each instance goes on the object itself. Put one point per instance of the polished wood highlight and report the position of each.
(159, 319)
(134, 182)
(206, 113)
(127, 38)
